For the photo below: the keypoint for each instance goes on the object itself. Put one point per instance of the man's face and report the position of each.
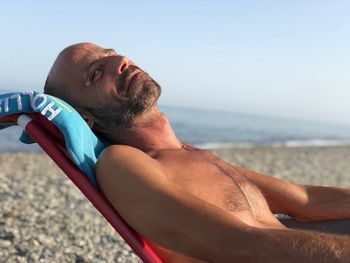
(105, 84)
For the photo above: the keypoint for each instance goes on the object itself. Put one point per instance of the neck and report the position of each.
(152, 131)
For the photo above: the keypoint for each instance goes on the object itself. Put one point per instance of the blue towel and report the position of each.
(82, 144)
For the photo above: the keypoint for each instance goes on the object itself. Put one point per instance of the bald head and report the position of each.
(66, 77)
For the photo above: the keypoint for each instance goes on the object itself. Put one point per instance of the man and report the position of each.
(190, 204)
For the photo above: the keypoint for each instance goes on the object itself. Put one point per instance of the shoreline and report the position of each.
(285, 144)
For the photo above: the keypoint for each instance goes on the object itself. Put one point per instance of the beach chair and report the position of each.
(55, 126)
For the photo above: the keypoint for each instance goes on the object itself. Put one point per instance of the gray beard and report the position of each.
(122, 114)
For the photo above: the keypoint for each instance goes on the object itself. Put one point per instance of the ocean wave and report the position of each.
(287, 143)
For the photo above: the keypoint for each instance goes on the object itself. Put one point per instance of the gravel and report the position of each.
(45, 218)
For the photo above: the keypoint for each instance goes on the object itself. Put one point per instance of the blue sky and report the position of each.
(280, 58)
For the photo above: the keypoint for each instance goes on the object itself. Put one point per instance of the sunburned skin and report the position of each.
(211, 179)
(204, 175)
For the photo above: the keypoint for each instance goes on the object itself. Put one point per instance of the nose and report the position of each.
(122, 64)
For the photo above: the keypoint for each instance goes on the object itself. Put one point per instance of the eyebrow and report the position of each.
(108, 50)
(105, 51)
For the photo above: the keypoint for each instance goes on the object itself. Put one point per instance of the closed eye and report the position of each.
(96, 74)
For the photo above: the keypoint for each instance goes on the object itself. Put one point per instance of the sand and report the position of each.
(44, 218)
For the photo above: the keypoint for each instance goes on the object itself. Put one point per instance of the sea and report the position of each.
(223, 129)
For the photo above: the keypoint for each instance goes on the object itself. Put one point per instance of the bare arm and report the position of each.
(325, 203)
(177, 220)
(303, 202)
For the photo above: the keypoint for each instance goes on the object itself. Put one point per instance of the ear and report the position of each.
(88, 118)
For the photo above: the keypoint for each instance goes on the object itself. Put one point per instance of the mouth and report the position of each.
(129, 80)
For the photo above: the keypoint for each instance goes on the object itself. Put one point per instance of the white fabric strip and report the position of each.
(23, 120)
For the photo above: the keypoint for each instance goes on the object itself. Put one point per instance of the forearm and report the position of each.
(301, 246)
(324, 203)
(303, 202)
(280, 245)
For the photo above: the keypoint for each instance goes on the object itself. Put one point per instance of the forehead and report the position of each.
(83, 54)
(72, 62)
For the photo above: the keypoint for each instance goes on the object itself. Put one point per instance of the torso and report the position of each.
(209, 178)
(206, 176)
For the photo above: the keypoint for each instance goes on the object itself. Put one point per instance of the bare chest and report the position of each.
(206, 176)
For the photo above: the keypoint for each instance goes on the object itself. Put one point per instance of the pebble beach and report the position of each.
(45, 218)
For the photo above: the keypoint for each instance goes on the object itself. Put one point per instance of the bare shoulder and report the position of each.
(121, 153)
(128, 177)
(125, 165)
